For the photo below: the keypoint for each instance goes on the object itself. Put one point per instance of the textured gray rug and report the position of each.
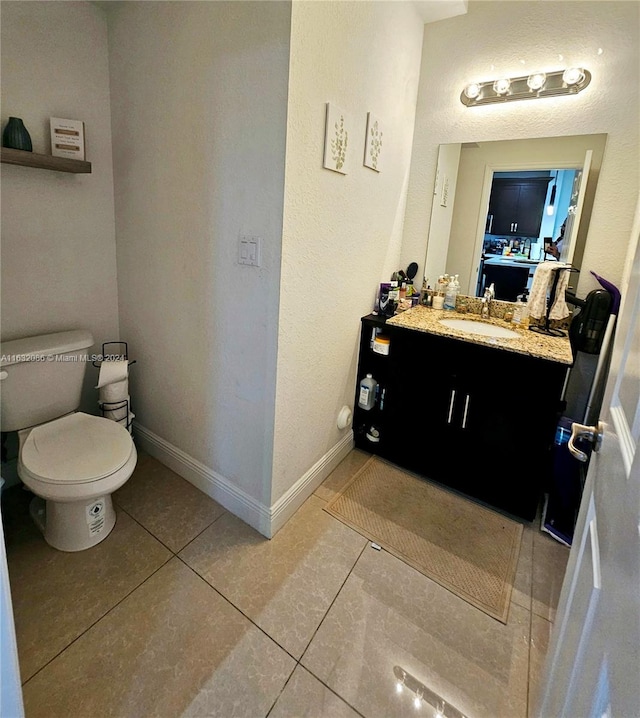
(470, 550)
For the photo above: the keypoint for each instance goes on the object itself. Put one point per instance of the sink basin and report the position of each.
(472, 326)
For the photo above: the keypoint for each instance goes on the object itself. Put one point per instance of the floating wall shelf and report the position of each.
(44, 162)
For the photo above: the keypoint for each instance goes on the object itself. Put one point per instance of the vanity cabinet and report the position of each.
(516, 206)
(476, 419)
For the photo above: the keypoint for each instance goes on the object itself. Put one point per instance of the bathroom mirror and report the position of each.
(463, 233)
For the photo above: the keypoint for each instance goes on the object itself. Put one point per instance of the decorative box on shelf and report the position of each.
(67, 138)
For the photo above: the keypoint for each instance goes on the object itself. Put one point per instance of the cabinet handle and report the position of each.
(515, 224)
(451, 402)
(466, 409)
(490, 223)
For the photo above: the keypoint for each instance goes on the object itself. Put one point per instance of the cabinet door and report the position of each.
(510, 427)
(503, 206)
(427, 431)
(517, 206)
(531, 207)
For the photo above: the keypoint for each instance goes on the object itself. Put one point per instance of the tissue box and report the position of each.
(67, 138)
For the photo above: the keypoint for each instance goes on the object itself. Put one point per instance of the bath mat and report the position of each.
(467, 548)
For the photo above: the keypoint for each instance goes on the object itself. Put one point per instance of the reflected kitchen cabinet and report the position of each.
(516, 206)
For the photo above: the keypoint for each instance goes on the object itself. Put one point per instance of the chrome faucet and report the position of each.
(489, 296)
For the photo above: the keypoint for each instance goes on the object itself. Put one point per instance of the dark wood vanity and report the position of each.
(479, 418)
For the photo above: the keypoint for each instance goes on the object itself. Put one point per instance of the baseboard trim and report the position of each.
(213, 484)
(267, 520)
(291, 500)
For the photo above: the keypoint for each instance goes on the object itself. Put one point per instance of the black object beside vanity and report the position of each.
(478, 419)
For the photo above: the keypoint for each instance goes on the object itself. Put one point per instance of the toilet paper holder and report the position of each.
(114, 355)
(120, 410)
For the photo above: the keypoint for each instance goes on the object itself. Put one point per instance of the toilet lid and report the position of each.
(76, 448)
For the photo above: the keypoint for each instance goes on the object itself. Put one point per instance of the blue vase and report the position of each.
(15, 135)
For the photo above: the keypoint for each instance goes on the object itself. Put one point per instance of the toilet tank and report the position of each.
(41, 377)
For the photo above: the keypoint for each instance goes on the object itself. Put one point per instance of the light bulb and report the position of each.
(572, 76)
(472, 90)
(536, 81)
(501, 87)
(417, 702)
(399, 687)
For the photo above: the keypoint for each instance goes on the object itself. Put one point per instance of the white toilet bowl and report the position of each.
(75, 463)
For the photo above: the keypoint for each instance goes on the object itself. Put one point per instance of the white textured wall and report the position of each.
(199, 93)
(342, 233)
(58, 235)
(462, 49)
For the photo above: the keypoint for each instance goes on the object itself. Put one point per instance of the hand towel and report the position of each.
(559, 310)
(541, 287)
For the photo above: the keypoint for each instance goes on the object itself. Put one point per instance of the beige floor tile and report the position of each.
(286, 584)
(58, 595)
(540, 637)
(522, 584)
(549, 565)
(305, 697)
(172, 509)
(173, 648)
(389, 615)
(342, 474)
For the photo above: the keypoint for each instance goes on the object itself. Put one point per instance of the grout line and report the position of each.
(115, 605)
(142, 526)
(190, 541)
(286, 683)
(368, 543)
(331, 690)
(233, 605)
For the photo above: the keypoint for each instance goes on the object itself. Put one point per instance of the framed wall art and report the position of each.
(336, 140)
(373, 143)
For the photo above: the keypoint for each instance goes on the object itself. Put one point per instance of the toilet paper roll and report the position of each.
(118, 391)
(117, 411)
(112, 371)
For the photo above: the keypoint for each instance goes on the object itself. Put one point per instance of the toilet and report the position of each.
(70, 460)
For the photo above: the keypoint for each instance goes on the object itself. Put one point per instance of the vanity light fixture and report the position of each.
(536, 81)
(501, 87)
(537, 84)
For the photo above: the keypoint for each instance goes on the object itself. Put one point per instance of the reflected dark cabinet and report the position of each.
(476, 419)
(516, 206)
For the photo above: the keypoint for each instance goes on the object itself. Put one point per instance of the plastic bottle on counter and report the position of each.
(367, 394)
(521, 313)
(451, 294)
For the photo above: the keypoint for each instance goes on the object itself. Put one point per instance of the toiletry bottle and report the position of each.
(521, 313)
(367, 395)
(450, 295)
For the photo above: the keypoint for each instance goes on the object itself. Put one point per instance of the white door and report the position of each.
(593, 664)
(578, 192)
(10, 690)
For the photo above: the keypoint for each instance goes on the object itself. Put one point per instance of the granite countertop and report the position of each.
(540, 346)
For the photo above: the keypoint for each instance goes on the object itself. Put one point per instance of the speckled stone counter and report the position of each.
(540, 346)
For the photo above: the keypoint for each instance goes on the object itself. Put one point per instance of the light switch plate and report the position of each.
(250, 250)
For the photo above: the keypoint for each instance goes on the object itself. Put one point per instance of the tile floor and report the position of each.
(185, 611)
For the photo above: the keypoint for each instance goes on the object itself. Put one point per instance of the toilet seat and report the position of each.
(75, 449)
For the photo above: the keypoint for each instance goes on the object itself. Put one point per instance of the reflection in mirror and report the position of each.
(501, 207)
